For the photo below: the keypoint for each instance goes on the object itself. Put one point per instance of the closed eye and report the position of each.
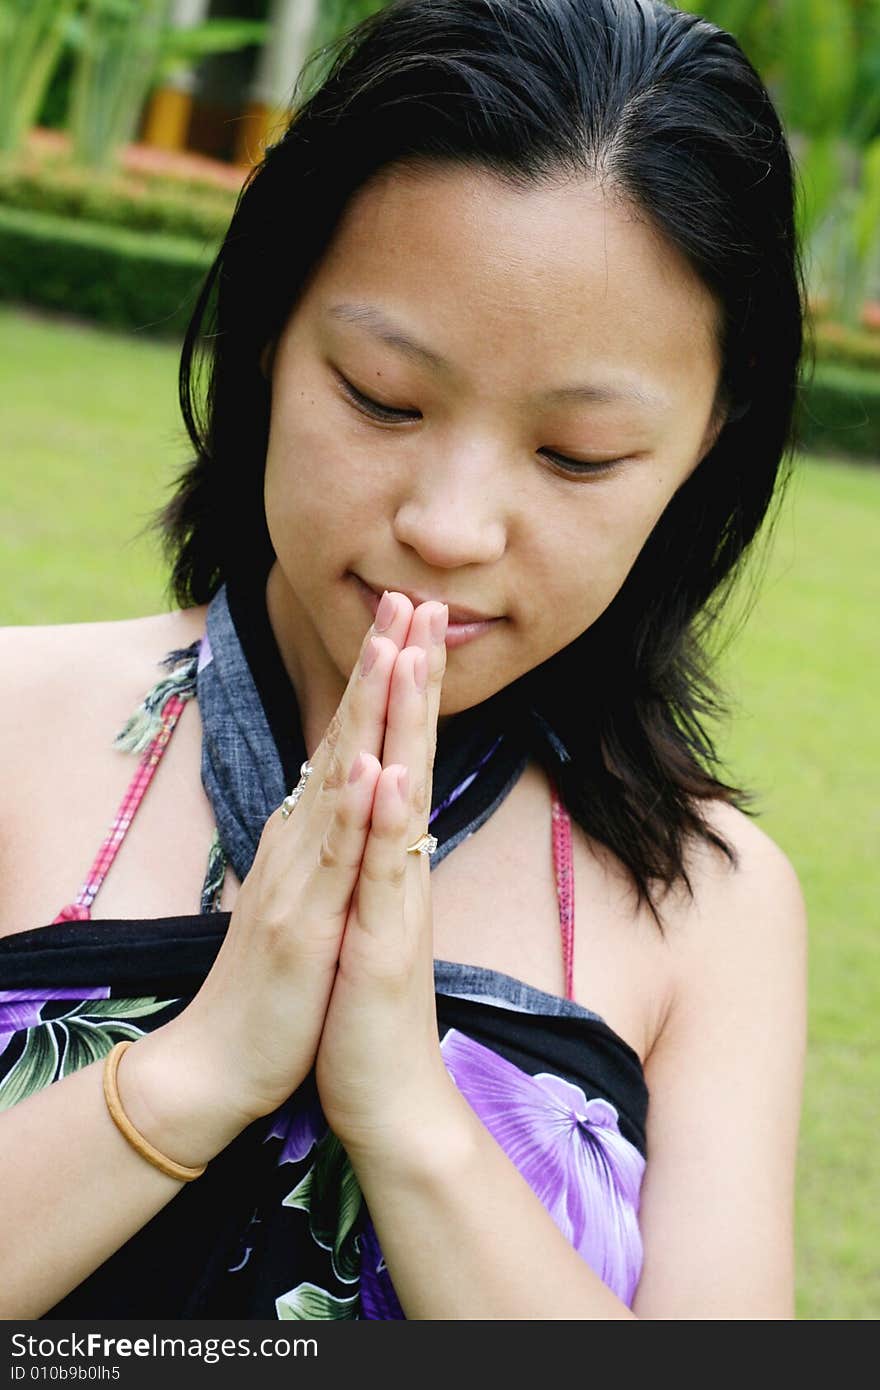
(389, 414)
(584, 465)
(374, 408)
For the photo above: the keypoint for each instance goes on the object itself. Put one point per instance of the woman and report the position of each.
(505, 331)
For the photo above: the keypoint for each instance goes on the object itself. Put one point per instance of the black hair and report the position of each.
(666, 112)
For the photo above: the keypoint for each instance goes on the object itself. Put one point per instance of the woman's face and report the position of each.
(556, 332)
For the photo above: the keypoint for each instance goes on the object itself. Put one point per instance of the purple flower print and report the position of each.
(299, 1122)
(20, 1008)
(569, 1150)
(378, 1298)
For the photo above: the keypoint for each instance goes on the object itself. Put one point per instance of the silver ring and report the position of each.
(425, 844)
(290, 801)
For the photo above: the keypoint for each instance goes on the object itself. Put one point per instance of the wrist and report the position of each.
(171, 1100)
(429, 1143)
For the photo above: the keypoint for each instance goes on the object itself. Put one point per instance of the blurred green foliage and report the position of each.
(336, 15)
(118, 50)
(32, 39)
(820, 60)
(122, 48)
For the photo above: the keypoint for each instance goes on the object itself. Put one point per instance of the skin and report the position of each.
(521, 291)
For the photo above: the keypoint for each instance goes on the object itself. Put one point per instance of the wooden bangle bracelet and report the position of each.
(125, 1126)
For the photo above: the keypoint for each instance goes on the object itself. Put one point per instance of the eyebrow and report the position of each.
(381, 326)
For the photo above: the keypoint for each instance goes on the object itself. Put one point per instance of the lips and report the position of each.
(458, 615)
(458, 633)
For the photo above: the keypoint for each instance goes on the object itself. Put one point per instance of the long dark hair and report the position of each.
(665, 110)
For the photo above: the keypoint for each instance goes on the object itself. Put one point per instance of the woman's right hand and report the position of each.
(251, 1033)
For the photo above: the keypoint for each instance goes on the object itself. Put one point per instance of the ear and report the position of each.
(713, 429)
(718, 419)
(267, 358)
(710, 438)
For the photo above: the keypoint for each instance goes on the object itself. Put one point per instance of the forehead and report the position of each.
(558, 275)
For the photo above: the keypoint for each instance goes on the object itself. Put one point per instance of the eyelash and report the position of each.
(376, 411)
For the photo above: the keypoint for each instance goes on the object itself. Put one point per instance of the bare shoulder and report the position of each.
(59, 678)
(66, 690)
(725, 1078)
(742, 901)
(746, 924)
(35, 660)
(26, 644)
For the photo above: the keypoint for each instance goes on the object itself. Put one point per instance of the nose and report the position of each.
(453, 509)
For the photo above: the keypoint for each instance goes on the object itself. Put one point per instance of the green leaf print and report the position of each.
(301, 1195)
(118, 1008)
(92, 1031)
(308, 1303)
(331, 1195)
(59, 1046)
(34, 1069)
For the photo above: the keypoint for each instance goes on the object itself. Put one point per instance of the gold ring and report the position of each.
(425, 844)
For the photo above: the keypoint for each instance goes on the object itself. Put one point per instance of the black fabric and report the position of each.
(186, 1262)
(169, 958)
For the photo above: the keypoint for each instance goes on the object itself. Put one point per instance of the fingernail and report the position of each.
(357, 768)
(369, 659)
(420, 671)
(384, 613)
(403, 783)
(439, 624)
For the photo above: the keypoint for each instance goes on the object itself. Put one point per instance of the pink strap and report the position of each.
(564, 867)
(81, 909)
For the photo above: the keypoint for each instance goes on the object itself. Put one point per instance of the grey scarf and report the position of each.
(252, 742)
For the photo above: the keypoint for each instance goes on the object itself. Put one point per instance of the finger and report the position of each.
(335, 871)
(396, 618)
(305, 899)
(381, 885)
(435, 647)
(359, 721)
(428, 630)
(411, 722)
(360, 718)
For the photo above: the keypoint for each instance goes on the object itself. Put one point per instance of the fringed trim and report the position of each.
(212, 888)
(146, 722)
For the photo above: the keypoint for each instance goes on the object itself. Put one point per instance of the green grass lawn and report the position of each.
(92, 440)
(92, 436)
(806, 672)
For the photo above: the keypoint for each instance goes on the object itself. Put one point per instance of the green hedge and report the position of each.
(142, 281)
(854, 347)
(151, 203)
(147, 282)
(840, 411)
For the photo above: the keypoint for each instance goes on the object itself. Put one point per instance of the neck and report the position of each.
(317, 683)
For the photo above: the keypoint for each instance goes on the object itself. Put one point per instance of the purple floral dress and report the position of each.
(277, 1226)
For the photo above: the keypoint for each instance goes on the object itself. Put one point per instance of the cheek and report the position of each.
(314, 487)
(585, 557)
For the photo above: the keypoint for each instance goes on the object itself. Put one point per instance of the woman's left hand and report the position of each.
(379, 1070)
